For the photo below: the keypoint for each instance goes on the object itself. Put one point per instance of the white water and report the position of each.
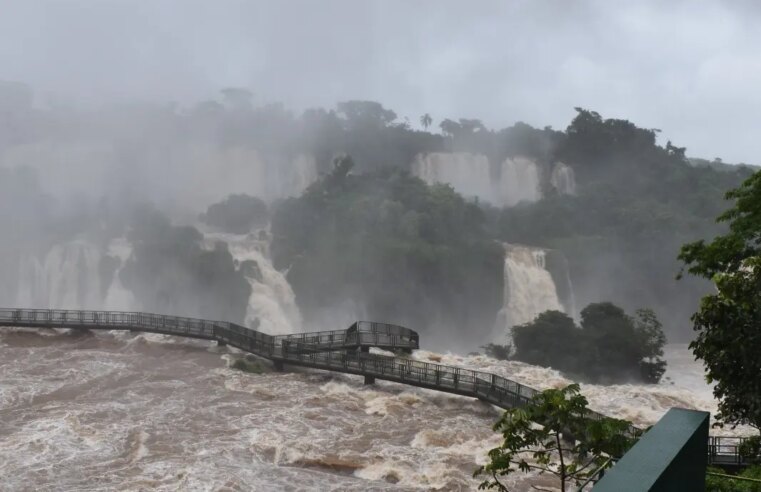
(518, 182)
(682, 386)
(529, 288)
(272, 299)
(563, 179)
(470, 175)
(117, 411)
(118, 297)
(217, 172)
(182, 176)
(64, 278)
(467, 173)
(67, 277)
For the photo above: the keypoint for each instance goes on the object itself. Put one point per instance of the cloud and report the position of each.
(687, 67)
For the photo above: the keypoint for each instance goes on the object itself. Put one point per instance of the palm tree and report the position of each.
(426, 120)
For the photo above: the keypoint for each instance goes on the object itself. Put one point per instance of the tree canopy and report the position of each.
(609, 346)
(237, 214)
(407, 252)
(727, 322)
(554, 433)
(170, 271)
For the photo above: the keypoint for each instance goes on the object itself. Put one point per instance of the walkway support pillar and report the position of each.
(369, 379)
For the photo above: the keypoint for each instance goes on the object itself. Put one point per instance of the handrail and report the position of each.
(335, 350)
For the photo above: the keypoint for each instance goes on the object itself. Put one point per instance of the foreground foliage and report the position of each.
(728, 322)
(726, 484)
(554, 434)
(609, 346)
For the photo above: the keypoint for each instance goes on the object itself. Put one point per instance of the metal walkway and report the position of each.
(344, 351)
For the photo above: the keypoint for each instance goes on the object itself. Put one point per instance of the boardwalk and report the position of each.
(345, 351)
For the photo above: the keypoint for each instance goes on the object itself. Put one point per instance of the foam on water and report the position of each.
(151, 411)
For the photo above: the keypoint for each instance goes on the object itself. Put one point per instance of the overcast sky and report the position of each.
(691, 68)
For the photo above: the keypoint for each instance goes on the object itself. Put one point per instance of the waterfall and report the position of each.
(70, 276)
(563, 179)
(118, 297)
(518, 181)
(470, 175)
(272, 300)
(529, 288)
(67, 277)
(202, 174)
(301, 173)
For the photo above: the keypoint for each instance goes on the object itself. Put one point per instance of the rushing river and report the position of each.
(120, 411)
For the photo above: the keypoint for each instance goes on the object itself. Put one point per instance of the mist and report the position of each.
(513, 181)
(686, 67)
(123, 124)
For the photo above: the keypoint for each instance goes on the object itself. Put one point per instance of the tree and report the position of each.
(237, 97)
(610, 343)
(554, 433)
(727, 321)
(368, 115)
(552, 339)
(651, 341)
(610, 346)
(237, 214)
(426, 120)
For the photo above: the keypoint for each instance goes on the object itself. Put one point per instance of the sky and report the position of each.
(691, 68)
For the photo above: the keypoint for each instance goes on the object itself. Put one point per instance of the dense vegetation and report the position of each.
(408, 253)
(237, 214)
(727, 323)
(545, 448)
(636, 204)
(608, 346)
(725, 484)
(170, 272)
(636, 201)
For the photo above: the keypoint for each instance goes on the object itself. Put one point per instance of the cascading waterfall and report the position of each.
(518, 181)
(118, 297)
(66, 277)
(470, 175)
(301, 173)
(529, 288)
(563, 179)
(219, 172)
(272, 300)
(69, 276)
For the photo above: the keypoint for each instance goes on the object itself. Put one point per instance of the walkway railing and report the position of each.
(339, 350)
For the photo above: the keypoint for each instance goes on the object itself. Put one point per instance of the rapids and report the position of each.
(116, 410)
